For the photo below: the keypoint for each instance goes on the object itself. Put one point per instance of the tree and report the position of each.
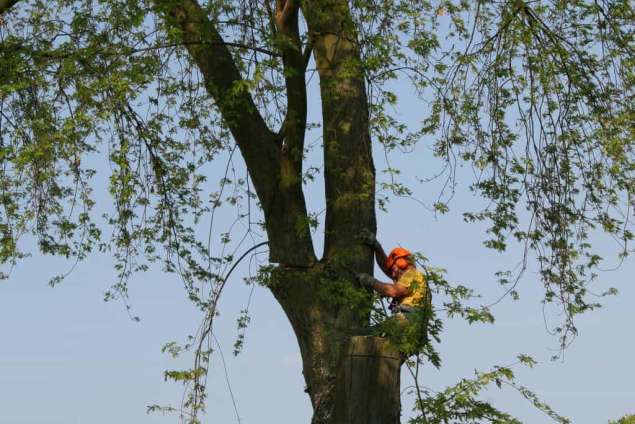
(625, 419)
(537, 97)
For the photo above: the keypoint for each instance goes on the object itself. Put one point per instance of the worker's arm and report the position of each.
(396, 291)
(380, 256)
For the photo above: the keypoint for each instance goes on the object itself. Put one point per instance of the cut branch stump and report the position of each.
(368, 382)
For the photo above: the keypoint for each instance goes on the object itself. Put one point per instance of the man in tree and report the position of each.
(411, 298)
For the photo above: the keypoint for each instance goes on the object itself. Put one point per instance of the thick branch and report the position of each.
(286, 10)
(223, 82)
(5, 5)
(277, 182)
(288, 39)
(348, 165)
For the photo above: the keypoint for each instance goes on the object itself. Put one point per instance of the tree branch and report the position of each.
(307, 53)
(5, 5)
(349, 172)
(62, 53)
(294, 124)
(277, 179)
(285, 9)
(225, 84)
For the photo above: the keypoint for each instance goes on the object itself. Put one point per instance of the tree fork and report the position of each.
(280, 191)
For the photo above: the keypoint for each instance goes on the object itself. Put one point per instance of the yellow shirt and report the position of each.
(415, 281)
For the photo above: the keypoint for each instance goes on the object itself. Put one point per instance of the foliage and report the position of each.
(460, 403)
(558, 90)
(538, 98)
(626, 419)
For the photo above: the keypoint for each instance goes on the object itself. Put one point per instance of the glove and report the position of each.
(365, 280)
(369, 239)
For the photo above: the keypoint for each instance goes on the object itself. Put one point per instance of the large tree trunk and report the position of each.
(316, 295)
(324, 325)
(350, 379)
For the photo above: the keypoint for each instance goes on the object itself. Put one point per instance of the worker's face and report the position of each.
(396, 272)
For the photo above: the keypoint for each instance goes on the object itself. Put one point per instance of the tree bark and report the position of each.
(349, 172)
(273, 165)
(322, 320)
(348, 381)
(5, 5)
(368, 376)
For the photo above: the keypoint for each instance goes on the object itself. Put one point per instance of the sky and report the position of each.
(68, 357)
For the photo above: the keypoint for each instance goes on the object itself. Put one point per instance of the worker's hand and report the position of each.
(369, 239)
(365, 280)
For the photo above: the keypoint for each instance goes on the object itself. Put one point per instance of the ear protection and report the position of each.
(402, 263)
(398, 256)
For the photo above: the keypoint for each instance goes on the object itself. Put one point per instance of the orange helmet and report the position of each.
(398, 256)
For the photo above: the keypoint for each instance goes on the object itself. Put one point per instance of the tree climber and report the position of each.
(411, 298)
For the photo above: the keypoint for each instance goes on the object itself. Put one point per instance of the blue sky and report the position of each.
(68, 357)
